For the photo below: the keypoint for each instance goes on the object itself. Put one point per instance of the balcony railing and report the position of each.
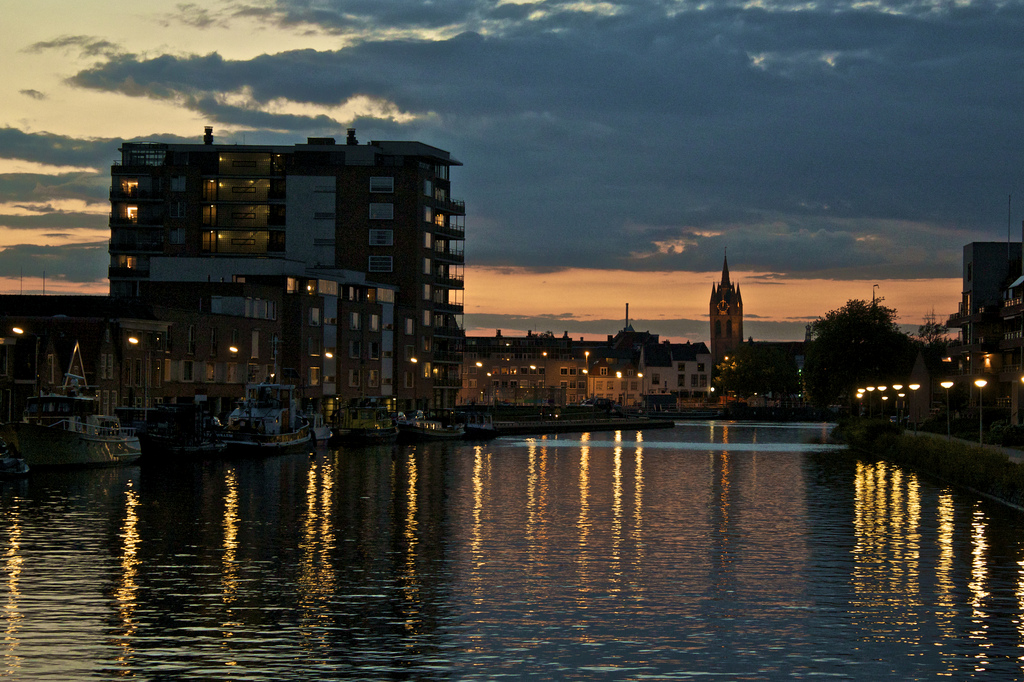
(124, 245)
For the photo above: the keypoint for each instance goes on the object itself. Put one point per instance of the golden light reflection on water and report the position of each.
(13, 564)
(317, 580)
(229, 574)
(887, 550)
(476, 537)
(583, 522)
(616, 557)
(638, 505)
(126, 594)
(977, 586)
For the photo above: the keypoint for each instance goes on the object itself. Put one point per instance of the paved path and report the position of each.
(1014, 454)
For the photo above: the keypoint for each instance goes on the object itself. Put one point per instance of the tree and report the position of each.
(758, 368)
(858, 345)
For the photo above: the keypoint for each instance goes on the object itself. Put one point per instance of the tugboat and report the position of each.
(365, 425)
(64, 430)
(267, 422)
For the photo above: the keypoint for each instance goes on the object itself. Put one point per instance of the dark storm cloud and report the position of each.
(58, 150)
(78, 263)
(51, 219)
(814, 142)
(89, 187)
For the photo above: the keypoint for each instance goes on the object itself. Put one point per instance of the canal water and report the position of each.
(710, 551)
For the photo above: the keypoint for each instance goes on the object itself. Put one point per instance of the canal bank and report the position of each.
(990, 470)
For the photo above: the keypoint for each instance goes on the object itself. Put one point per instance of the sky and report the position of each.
(613, 151)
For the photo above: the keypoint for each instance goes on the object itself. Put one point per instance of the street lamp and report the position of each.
(980, 383)
(881, 390)
(871, 389)
(414, 396)
(913, 403)
(640, 375)
(35, 357)
(134, 340)
(947, 385)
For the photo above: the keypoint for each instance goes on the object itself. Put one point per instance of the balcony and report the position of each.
(449, 254)
(122, 245)
(449, 282)
(976, 345)
(136, 221)
(452, 206)
(966, 314)
(133, 193)
(123, 273)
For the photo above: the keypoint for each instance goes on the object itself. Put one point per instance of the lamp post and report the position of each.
(134, 340)
(643, 401)
(899, 414)
(860, 397)
(871, 389)
(881, 393)
(980, 383)
(947, 385)
(414, 397)
(913, 403)
(35, 357)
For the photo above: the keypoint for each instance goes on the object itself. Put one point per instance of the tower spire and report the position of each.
(725, 267)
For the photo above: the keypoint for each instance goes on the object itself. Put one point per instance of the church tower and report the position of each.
(726, 313)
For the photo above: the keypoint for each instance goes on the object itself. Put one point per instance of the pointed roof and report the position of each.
(725, 269)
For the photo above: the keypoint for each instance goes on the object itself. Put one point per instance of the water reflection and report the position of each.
(127, 590)
(626, 555)
(13, 561)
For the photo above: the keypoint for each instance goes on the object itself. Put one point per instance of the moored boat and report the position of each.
(422, 429)
(364, 425)
(11, 466)
(479, 425)
(180, 431)
(267, 422)
(64, 430)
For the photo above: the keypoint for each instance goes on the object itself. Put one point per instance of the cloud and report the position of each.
(87, 46)
(77, 263)
(34, 94)
(837, 141)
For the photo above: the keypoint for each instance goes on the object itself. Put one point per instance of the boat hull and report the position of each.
(408, 433)
(365, 436)
(47, 446)
(265, 445)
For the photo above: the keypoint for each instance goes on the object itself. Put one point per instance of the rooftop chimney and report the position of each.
(351, 139)
(208, 137)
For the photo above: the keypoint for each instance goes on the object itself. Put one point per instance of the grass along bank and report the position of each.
(981, 469)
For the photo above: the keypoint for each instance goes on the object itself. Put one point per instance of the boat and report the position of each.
(11, 466)
(176, 431)
(319, 428)
(479, 425)
(418, 429)
(364, 425)
(267, 422)
(65, 430)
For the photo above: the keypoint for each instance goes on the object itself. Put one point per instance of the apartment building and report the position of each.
(364, 242)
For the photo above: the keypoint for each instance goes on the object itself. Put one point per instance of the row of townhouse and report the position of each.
(630, 368)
